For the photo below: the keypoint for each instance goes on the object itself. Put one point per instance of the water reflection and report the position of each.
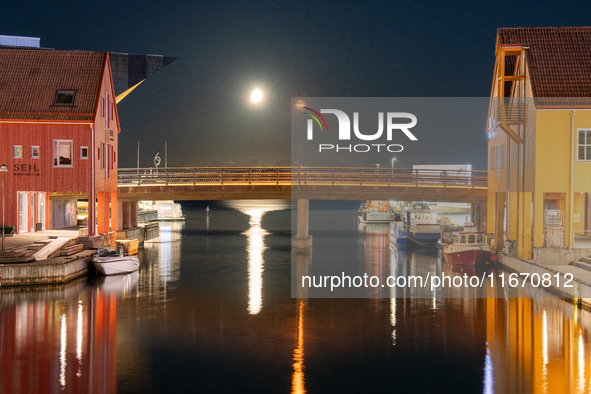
(297, 377)
(116, 334)
(256, 246)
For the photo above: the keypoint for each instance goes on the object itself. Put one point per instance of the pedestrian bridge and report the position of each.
(339, 183)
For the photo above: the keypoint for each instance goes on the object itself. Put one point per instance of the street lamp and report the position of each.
(3, 170)
(299, 106)
(393, 160)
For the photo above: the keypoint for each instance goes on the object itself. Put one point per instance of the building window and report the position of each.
(34, 152)
(84, 152)
(62, 153)
(584, 145)
(65, 97)
(18, 151)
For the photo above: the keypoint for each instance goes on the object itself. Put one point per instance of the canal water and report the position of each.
(211, 311)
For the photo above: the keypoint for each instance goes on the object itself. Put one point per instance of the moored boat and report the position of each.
(114, 263)
(468, 248)
(419, 226)
(377, 212)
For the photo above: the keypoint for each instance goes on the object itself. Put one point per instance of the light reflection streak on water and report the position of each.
(79, 339)
(256, 246)
(545, 353)
(297, 378)
(63, 351)
(393, 299)
(488, 373)
(581, 363)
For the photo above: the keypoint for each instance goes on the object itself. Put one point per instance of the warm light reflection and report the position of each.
(256, 246)
(581, 350)
(297, 378)
(79, 339)
(545, 352)
(63, 351)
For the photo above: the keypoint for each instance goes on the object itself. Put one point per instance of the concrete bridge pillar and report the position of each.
(127, 214)
(302, 242)
(133, 213)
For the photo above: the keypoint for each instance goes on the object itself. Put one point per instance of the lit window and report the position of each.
(584, 145)
(84, 152)
(65, 97)
(471, 238)
(18, 151)
(62, 153)
(34, 152)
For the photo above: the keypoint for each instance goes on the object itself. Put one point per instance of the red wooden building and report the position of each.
(59, 130)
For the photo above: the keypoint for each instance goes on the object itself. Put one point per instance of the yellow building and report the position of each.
(539, 140)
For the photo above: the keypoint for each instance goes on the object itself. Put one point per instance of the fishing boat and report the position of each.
(469, 247)
(106, 262)
(167, 210)
(377, 212)
(419, 227)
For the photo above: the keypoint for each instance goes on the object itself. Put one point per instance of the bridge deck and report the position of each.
(312, 183)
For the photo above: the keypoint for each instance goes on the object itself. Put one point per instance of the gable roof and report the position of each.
(559, 58)
(30, 79)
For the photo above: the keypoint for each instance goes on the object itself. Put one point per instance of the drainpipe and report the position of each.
(572, 197)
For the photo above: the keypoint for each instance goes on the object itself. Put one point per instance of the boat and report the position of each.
(106, 262)
(419, 226)
(469, 247)
(377, 212)
(167, 210)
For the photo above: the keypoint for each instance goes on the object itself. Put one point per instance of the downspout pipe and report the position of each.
(572, 196)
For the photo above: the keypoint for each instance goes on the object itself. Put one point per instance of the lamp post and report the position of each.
(393, 160)
(4, 170)
(299, 105)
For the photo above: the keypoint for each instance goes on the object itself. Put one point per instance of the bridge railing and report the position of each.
(305, 176)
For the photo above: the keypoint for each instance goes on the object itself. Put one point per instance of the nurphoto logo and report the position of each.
(393, 123)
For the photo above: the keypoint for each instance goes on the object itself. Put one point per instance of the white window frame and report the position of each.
(587, 145)
(38, 152)
(56, 163)
(87, 152)
(14, 151)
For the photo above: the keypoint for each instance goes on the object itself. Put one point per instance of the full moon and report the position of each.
(256, 95)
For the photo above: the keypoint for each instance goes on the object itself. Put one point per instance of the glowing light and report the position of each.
(63, 351)
(79, 339)
(300, 104)
(256, 95)
(488, 373)
(297, 378)
(581, 363)
(545, 358)
(256, 247)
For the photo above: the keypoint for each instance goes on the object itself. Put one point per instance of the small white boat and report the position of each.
(168, 210)
(114, 263)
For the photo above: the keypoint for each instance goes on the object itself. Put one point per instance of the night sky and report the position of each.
(201, 103)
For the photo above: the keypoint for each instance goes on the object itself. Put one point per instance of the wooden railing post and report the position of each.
(194, 177)
(417, 177)
(222, 177)
(360, 177)
(278, 176)
(444, 178)
(305, 176)
(333, 176)
(139, 178)
(472, 179)
(249, 175)
(166, 173)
